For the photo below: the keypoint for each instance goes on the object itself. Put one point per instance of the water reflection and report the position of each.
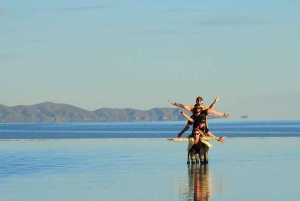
(200, 183)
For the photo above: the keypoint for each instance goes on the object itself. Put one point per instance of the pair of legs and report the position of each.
(198, 154)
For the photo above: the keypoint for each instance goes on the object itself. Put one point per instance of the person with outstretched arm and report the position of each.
(199, 100)
(197, 144)
(198, 111)
(201, 125)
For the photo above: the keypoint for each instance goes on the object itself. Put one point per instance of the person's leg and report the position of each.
(188, 157)
(197, 155)
(202, 152)
(206, 149)
(193, 155)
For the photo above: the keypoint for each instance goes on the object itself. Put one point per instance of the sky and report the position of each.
(138, 54)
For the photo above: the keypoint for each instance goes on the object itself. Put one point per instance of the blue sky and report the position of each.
(132, 54)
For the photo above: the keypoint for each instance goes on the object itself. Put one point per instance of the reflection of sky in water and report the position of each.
(148, 169)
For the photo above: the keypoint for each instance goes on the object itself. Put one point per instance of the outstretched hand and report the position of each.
(171, 140)
(222, 139)
(181, 111)
(227, 115)
(217, 99)
(171, 102)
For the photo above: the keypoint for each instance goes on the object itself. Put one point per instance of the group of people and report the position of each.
(198, 140)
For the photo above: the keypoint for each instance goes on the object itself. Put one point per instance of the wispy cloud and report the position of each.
(29, 42)
(223, 21)
(166, 32)
(80, 8)
(177, 10)
(75, 8)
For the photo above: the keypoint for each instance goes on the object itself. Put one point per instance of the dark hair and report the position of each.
(199, 97)
(200, 131)
(202, 118)
(197, 105)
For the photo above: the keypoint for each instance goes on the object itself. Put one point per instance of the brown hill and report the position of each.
(53, 112)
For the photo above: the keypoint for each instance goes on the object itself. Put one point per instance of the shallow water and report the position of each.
(148, 169)
(220, 127)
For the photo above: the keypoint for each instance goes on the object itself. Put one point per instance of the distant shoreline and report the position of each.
(48, 112)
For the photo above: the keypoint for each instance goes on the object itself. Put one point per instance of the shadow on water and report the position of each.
(201, 187)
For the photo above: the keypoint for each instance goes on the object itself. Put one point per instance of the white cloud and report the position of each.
(223, 21)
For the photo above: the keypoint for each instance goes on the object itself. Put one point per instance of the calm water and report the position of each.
(97, 162)
(146, 129)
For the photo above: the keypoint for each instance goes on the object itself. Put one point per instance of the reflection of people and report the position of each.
(198, 111)
(199, 182)
(197, 144)
(199, 100)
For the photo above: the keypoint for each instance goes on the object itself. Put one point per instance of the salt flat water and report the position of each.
(146, 129)
(134, 161)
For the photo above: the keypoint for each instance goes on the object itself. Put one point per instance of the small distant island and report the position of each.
(244, 116)
(53, 112)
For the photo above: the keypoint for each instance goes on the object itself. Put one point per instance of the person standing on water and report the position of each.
(197, 140)
(201, 125)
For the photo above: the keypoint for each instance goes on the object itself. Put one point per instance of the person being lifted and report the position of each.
(199, 100)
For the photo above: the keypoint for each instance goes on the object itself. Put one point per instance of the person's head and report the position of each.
(202, 121)
(199, 100)
(197, 108)
(197, 133)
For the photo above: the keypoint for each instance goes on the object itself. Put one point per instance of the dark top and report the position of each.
(197, 119)
(198, 145)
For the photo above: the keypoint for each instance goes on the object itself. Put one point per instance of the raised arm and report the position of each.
(187, 107)
(186, 116)
(213, 112)
(214, 103)
(183, 130)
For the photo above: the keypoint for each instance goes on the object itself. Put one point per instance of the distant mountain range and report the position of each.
(53, 112)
